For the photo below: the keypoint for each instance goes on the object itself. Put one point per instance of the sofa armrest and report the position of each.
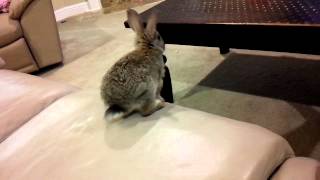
(17, 7)
(41, 33)
(23, 96)
(298, 168)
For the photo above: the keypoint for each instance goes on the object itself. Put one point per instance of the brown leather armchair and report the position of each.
(29, 38)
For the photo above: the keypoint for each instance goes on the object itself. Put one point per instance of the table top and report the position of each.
(287, 12)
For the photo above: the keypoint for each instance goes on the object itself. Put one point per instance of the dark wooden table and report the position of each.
(272, 25)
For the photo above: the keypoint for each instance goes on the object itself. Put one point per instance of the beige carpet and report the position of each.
(278, 91)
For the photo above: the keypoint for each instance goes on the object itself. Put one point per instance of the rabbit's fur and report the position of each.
(135, 81)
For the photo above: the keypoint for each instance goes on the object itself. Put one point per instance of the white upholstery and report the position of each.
(71, 140)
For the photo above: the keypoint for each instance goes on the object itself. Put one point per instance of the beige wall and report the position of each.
(57, 4)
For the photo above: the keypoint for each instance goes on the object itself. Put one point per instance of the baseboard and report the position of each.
(71, 10)
(94, 5)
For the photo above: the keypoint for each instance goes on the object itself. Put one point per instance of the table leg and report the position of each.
(166, 92)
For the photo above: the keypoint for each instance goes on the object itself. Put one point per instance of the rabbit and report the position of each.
(133, 84)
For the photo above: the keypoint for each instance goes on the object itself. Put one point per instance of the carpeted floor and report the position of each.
(278, 91)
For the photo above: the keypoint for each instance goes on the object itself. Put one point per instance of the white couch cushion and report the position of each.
(71, 140)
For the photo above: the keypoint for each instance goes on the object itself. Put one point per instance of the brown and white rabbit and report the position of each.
(133, 84)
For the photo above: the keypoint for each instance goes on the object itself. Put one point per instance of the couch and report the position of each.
(29, 38)
(50, 130)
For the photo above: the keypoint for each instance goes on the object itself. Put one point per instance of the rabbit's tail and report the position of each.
(115, 113)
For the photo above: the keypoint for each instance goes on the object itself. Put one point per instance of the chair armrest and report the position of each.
(17, 8)
(41, 32)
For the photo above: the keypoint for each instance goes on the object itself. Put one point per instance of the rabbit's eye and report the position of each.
(159, 37)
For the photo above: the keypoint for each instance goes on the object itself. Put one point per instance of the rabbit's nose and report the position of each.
(164, 58)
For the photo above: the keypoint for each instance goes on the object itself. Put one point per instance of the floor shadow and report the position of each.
(47, 69)
(304, 138)
(290, 79)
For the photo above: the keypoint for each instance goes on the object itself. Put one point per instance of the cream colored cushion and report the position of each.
(10, 30)
(23, 96)
(70, 140)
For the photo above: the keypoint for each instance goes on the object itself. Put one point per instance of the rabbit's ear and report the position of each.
(152, 25)
(134, 21)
